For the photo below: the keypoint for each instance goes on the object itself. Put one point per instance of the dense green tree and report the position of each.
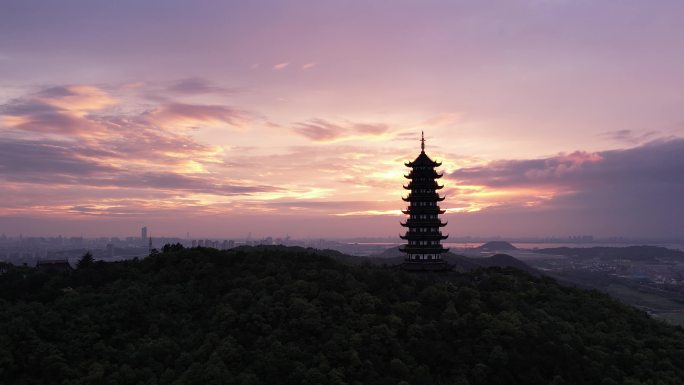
(168, 248)
(288, 316)
(86, 261)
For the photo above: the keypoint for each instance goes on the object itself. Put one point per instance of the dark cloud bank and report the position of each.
(632, 192)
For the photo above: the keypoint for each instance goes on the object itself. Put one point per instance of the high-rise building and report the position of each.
(143, 233)
(423, 248)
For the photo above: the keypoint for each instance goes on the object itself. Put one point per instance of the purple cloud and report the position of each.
(60, 163)
(196, 86)
(655, 162)
(35, 116)
(636, 191)
(182, 113)
(25, 159)
(630, 136)
(321, 130)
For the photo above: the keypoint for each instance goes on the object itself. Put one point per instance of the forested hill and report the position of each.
(201, 316)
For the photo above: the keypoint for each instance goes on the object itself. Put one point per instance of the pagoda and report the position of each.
(424, 248)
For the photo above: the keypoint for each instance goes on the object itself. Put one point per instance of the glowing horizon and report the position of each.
(550, 117)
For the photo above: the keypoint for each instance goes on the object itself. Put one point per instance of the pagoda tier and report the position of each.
(423, 236)
(422, 174)
(421, 211)
(422, 196)
(422, 249)
(423, 160)
(421, 186)
(423, 224)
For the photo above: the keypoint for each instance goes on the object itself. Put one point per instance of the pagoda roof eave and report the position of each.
(423, 160)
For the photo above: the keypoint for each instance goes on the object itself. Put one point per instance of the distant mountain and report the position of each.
(497, 246)
(636, 253)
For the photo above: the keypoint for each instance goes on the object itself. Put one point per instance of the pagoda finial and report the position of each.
(422, 141)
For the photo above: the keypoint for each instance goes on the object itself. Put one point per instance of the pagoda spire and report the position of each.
(422, 141)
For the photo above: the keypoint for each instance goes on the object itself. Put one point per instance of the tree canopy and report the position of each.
(203, 316)
(86, 261)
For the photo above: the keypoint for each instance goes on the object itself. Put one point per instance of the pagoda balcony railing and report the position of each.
(412, 232)
(423, 260)
(423, 249)
(428, 181)
(426, 235)
(423, 223)
(422, 204)
(413, 236)
(434, 210)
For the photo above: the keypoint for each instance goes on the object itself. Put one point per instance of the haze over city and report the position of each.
(551, 118)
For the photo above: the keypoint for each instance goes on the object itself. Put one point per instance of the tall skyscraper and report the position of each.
(143, 233)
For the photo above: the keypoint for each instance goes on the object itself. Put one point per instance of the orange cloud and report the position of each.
(58, 110)
(76, 98)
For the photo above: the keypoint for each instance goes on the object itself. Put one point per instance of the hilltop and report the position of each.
(497, 246)
(294, 316)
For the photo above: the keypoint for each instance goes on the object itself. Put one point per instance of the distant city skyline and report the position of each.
(276, 238)
(551, 118)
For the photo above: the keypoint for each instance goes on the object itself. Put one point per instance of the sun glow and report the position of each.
(192, 167)
(370, 212)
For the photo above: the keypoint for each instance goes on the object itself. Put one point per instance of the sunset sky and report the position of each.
(224, 118)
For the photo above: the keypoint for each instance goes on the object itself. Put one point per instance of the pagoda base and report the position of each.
(425, 266)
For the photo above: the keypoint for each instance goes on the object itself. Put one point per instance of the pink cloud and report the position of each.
(563, 164)
(193, 115)
(131, 155)
(321, 130)
(76, 98)
(196, 86)
(62, 110)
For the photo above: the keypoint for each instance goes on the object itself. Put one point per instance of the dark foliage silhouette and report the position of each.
(202, 316)
(86, 261)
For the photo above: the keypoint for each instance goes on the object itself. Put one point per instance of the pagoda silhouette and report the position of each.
(423, 248)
